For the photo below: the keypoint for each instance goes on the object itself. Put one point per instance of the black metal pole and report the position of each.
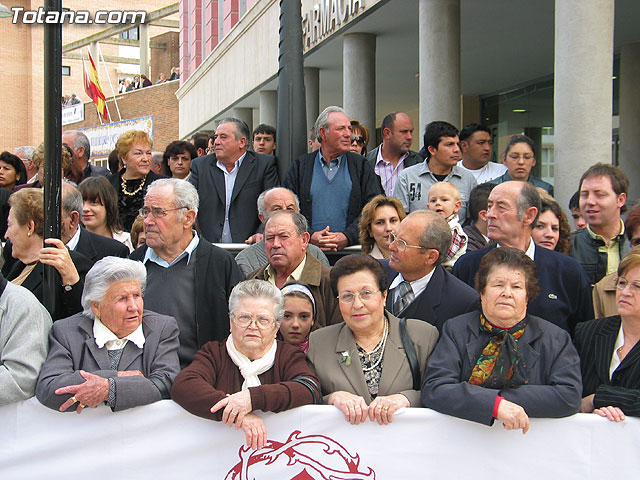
(292, 119)
(52, 144)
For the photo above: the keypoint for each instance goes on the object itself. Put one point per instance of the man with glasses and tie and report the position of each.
(420, 287)
(187, 277)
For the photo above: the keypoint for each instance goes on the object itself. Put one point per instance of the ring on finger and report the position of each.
(74, 399)
(357, 407)
(81, 405)
(385, 408)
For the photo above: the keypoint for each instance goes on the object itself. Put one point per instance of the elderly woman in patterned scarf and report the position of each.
(499, 362)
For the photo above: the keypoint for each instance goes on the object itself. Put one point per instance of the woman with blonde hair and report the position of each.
(380, 217)
(134, 150)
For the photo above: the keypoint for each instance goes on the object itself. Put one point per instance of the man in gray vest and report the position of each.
(187, 277)
(333, 184)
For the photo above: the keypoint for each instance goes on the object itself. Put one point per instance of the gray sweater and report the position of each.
(24, 343)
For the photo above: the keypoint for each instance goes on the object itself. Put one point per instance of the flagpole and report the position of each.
(104, 67)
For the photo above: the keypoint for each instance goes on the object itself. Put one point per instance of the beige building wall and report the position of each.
(221, 80)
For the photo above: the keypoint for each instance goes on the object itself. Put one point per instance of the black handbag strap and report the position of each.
(410, 352)
(312, 385)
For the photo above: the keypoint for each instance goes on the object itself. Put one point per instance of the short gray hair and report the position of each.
(529, 197)
(299, 221)
(241, 128)
(27, 150)
(263, 195)
(81, 140)
(184, 194)
(436, 233)
(71, 199)
(323, 119)
(250, 289)
(104, 273)
(157, 158)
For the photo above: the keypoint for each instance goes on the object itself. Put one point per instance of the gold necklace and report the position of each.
(136, 191)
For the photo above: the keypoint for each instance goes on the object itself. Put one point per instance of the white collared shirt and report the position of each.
(530, 251)
(151, 255)
(229, 183)
(103, 336)
(73, 243)
(417, 286)
(615, 359)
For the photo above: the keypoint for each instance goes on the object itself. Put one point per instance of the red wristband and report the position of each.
(496, 404)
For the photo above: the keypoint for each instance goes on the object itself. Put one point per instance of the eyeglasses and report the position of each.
(243, 320)
(364, 295)
(621, 284)
(402, 245)
(516, 156)
(156, 212)
(358, 140)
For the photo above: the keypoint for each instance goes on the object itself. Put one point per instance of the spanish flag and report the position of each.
(92, 87)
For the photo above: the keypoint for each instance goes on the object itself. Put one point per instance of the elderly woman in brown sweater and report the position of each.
(251, 370)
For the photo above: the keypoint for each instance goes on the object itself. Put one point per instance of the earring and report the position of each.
(28, 234)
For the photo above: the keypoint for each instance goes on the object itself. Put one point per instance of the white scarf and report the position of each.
(248, 368)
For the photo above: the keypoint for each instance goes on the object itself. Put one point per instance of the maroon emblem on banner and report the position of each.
(312, 457)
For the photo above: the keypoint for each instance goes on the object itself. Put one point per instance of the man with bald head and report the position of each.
(565, 291)
(394, 154)
(269, 201)
(286, 240)
(420, 287)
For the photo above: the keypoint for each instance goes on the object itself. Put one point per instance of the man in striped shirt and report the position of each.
(393, 155)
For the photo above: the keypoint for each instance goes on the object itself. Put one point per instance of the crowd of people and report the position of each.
(137, 82)
(471, 295)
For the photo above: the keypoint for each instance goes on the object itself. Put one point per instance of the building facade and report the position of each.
(565, 72)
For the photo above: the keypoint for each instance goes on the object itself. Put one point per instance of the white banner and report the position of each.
(103, 137)
(162, 441)
(73, 114)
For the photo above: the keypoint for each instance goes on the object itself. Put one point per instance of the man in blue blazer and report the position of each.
(565, 292)
(229, 182)
(421, 244)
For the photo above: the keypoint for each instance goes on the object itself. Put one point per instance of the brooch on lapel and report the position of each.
(345, 357)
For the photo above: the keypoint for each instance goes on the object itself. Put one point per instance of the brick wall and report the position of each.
(163, 59)
(157, 100)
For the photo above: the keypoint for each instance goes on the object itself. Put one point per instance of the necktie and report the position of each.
(403, 297)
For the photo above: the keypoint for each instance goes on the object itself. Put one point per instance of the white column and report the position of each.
(268, 107)
(312, 94)
(145, 54)
(244, 114)
(359, 78)
(630, 117)
(582, 90)
(439, 47)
